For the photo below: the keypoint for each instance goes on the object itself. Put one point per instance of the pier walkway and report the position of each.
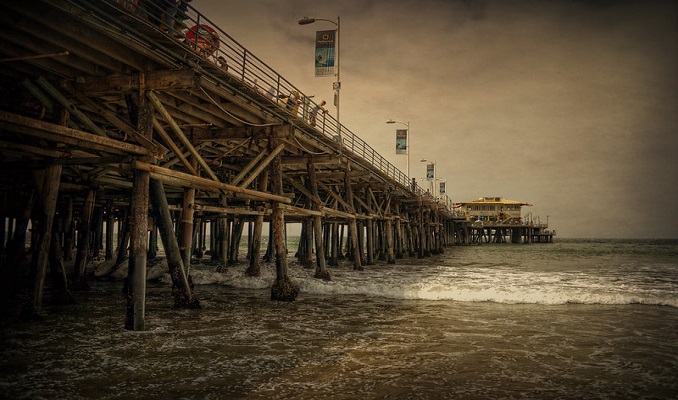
(119, 126)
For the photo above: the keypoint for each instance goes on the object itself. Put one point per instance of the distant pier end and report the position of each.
(499, 220)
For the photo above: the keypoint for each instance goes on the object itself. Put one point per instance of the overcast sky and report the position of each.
(568, 105)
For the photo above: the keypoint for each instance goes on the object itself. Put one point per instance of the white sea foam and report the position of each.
(447, 284)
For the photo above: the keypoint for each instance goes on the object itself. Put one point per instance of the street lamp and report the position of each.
(337, 23)
(407, 148)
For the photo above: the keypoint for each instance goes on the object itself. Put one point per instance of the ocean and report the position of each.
(575, 319)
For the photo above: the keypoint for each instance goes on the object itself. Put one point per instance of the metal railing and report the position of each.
(210, 43)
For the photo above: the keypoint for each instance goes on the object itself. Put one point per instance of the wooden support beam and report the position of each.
(61, 99)
(111, 117)
(35, 91)
(352, 224)
(241, 109)
(363, 204)
(177, 131)
(301, 211)
(229, 210)
(254, 269)
(282, 289)
(38, 151)
(185, 155)
(327, 211)
(152, 80)
(321, 271)
(248, 168)
(54, 132)
(339, 175)
(48, 192)
(183, 296)
(33, 57)
(263, 165)
(239, 132)
(187, 180)
(302, 189)
(303, 160)
(336, 197)
(168, 140)
(116, 44)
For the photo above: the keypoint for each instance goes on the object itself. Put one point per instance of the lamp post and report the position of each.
(337, 23)
(407, 148)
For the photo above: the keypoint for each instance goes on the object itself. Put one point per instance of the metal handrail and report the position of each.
(241, 64)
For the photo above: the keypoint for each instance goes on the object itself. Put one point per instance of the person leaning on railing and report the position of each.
(314, 112)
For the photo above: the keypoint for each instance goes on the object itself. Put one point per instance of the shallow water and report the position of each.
(574, 319)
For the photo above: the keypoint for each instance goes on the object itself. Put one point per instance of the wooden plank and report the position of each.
(301, 211)
(153, 80)
(54, 132)
(204, 183)
(303, 160)
(336, 213)
(239, 132)
(230, 210)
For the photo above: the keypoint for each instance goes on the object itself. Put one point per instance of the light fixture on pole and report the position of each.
(337, 84)
(407, 143)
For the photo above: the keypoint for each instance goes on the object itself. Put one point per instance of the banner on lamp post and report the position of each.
(324, 53)
(401, 141)
(430, 171)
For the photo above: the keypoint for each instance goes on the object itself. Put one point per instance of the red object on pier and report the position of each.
(203, 38)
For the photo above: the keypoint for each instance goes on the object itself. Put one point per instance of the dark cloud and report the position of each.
(569, 105)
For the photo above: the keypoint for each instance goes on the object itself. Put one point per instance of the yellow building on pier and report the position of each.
(494, 209)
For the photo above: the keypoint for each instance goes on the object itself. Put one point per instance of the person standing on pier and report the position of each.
(314, 112)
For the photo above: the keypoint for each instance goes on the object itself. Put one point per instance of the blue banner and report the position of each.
(324, 53)
(430, 171)
(401, 141)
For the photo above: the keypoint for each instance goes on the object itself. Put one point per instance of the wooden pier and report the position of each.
(120, 129)
(115, 122)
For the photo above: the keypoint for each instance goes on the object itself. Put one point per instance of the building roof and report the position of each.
(495, 200)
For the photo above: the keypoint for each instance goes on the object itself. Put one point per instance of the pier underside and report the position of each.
(114, 133)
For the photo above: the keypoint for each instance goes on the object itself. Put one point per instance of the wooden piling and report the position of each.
(283, 289)
(49, 190)
(254, 269)
(136, 276)
(187, 214)
(110, 225)
(353, 227)
(181, 287)
(321, 271)
(82, 252)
